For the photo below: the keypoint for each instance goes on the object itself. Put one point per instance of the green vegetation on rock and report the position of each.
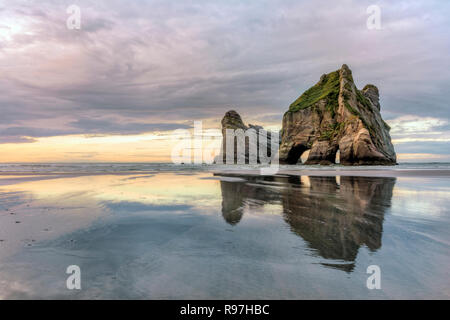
(363, 100)
(370, 86)
(351, 109)
(333, 131)
(326, 88)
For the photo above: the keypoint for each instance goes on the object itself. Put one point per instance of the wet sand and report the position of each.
(25, 220)
(354, 172)
(227, 234)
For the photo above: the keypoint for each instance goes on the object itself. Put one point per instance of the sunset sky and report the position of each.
(115, 89)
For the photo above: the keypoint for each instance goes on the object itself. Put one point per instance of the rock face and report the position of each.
(333, 116)
(232, 120)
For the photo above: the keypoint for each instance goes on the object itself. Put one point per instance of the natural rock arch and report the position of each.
(334, 115)
(331, 116)
(295, 153)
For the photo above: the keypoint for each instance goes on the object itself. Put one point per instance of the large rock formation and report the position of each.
(334, 115)
(232, 120)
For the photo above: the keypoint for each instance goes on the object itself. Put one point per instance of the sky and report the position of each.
(117, 87)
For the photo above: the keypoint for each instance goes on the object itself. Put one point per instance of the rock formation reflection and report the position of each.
(334, 215)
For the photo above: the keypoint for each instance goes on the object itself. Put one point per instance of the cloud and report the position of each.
(19, 134)
(150, 64)
(15, 139)
(420, 135)
(410, 124)
(422, 157)
(32, 132)
(420, 147)
(110, 127)
(27, 134)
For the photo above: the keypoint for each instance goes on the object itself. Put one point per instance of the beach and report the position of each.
(160, 231)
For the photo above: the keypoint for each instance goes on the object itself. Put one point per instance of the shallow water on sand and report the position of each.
(193, 234)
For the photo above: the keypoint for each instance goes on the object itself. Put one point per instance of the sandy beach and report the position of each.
(379, 172)
(168, 233)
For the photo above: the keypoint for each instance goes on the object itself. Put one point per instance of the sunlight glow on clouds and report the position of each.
(151, 66)
(148, 147)
(415, 125)
(420, 138)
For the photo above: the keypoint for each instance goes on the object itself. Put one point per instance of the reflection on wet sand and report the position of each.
(334, 215)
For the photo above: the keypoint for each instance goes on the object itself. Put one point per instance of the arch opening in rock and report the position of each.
(295, 154)
(337, 160)
(304, 156)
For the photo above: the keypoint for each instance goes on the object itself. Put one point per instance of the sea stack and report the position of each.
(232, 120)
(333, 116)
